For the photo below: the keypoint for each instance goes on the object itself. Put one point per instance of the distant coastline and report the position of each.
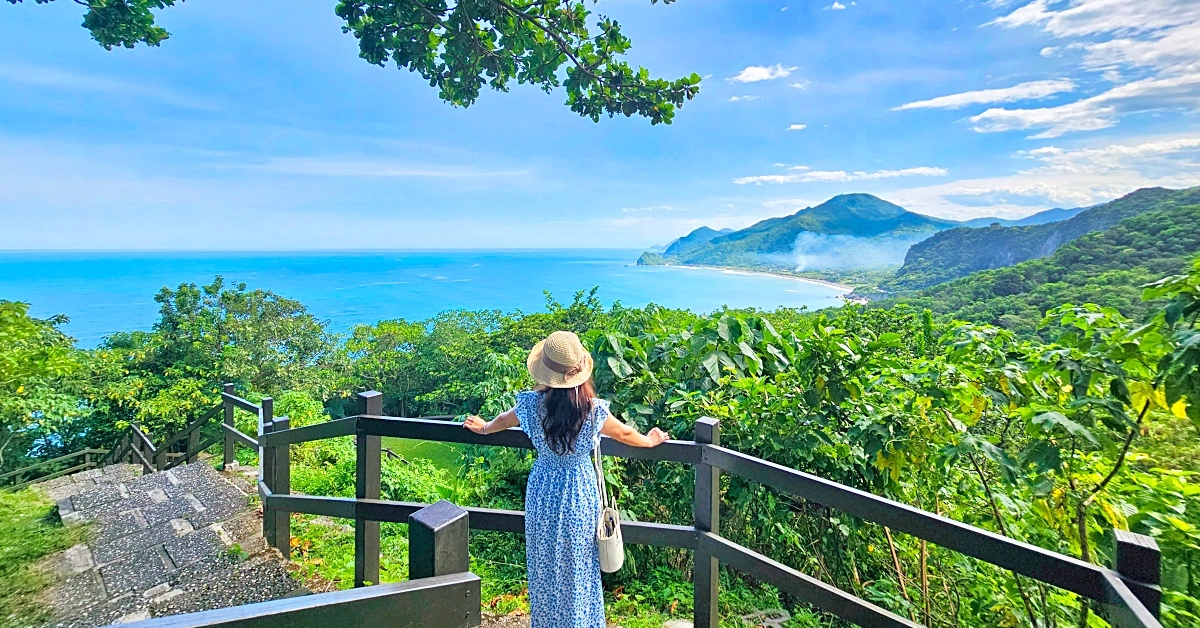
(767, 273)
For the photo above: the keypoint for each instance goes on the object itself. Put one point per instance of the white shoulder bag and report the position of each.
(608, 529)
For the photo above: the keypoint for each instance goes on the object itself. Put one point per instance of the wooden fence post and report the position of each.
(367, 484)
(437, 541)
(193, 446)
(160, 457)
(1138, 560)
(266, 465)
(706, 509)
(282, 485)
(230, 443)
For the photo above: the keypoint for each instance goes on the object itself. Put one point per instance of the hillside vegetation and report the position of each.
(961, 251)
(1106, 267)
(1050, 441)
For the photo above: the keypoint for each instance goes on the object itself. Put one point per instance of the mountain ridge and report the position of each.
(961, 251)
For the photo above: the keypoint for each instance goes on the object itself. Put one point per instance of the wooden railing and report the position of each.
(1129, 592)
(19, 478)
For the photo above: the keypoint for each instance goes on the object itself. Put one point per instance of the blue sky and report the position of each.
(256, 125)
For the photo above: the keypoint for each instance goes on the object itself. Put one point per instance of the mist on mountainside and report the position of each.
(816, 251)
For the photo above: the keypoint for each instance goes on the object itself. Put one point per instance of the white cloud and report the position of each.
(655, 209)
(331, 167)
(1031, 90)
(797, 127)
(1048, 50)
(836, 6)
(1155, 43)
(801, 84)
(743, 98)
(1097, 112)
(839, 176)
(757, 73)
(52, 78)
(1064, 177)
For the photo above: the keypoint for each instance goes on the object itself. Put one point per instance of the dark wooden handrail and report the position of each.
(1124, 595)
(43, 463)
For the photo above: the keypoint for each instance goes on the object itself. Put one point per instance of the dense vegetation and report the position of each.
(958, 252)
(770, 243)
(1101, 267)
(1052, 442)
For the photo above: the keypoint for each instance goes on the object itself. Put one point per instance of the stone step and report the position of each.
(159, 544)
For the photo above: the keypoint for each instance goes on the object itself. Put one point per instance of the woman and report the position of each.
(564, 419)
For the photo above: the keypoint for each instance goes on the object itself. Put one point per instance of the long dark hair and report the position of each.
(566, 410)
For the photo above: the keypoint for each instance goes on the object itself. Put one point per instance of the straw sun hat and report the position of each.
(560, 361)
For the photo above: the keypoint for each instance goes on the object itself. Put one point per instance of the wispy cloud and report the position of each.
(327, 167)
(1031, 90)
(1156, 43)
(1064, 177)
(804, 175)
(743, 98)
(797, 127)
(836, 6)
(757, 73)
(653, 209)
(52, 78)
(1097, 112)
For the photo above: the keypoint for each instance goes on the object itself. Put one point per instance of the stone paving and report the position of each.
(171, 542)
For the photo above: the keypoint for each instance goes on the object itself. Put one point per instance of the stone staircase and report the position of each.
(171, 542)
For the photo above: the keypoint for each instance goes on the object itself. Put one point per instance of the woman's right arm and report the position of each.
(623, 433)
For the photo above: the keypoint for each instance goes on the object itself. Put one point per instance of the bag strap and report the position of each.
(600, 484)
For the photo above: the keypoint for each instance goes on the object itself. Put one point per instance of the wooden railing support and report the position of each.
(706, 509)
(281, 484)
(367, 484)
(193, 446)
(1138, 560)
(266, 465)
(437, 541)
(230, 442)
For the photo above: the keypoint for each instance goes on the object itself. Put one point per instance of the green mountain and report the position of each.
(694, 239)
(1106, 267)
(959, 252)
(1040, 218)
(773, 242)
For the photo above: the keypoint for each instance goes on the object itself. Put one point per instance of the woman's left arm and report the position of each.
(500, 423)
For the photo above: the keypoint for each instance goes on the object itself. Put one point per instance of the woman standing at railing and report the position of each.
(564, 419)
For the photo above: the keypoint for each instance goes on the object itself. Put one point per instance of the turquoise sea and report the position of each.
(106, 292)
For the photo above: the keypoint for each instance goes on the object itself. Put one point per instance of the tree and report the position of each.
(34, 356)
(461, 46)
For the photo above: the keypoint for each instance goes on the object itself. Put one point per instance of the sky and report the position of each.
(256, 126)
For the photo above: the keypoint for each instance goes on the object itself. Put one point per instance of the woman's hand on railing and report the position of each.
(475, 424)
(624, 433)
(502, 422)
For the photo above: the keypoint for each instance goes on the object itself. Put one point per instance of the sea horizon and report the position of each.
(103, 292)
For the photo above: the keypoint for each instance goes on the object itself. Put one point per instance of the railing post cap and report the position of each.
(438, 515)
(369, 393)
(1137, 556)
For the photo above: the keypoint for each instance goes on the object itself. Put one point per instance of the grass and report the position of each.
(29, 530)
(443, 455)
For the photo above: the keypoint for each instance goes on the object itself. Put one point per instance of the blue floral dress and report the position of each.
(562, 506)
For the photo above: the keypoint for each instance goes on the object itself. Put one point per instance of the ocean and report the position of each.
(105, 292)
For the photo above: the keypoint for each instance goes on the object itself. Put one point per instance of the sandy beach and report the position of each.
(742, 271)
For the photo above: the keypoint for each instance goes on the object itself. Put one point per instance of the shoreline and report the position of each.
(746, 271)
